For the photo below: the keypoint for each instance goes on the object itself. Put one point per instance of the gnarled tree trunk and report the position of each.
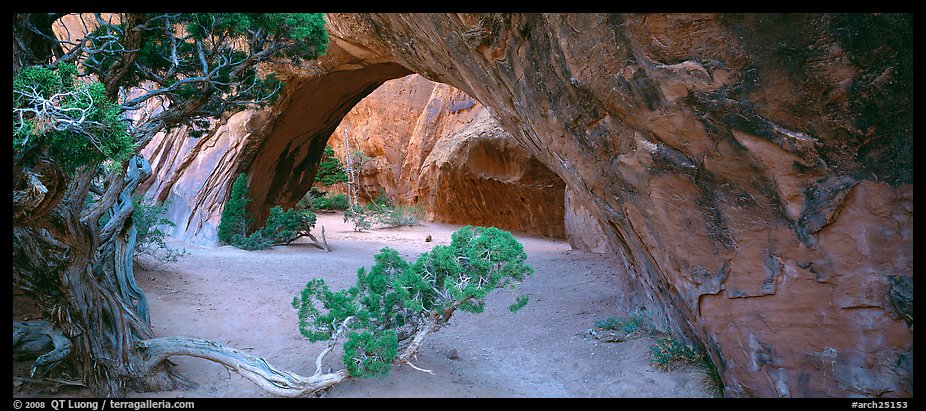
(80, 275)
(73, 242)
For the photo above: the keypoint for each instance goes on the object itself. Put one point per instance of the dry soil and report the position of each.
(242, 299)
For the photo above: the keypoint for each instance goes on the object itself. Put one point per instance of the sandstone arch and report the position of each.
(752, 172)
(432, 145)
(283, 167)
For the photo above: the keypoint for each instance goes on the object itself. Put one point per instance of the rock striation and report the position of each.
(753, 172)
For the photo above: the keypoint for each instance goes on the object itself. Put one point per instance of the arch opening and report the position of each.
(431, 145)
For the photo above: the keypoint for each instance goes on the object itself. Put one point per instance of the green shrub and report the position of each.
(149, 238)
(235, 218)
(668, 351)
(335, 202)
(639, 320)
(358, 216)
(383, 211)
(282, 227)
(382, 201)
(401, 216)
(255, 241)
(395, 300)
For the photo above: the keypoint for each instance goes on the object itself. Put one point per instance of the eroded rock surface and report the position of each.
(432, 145)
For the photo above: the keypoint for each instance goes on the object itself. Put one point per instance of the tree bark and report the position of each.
(81, 278)
(255, 369)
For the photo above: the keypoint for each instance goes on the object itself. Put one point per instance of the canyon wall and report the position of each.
(432, 145)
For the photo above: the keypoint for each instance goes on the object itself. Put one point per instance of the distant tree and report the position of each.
(330, 171)
(235, 218)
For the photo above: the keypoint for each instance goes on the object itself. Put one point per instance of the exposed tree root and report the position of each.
(320, 244)
(40, 340)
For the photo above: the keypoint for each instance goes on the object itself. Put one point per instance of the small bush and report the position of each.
(255, 241)
(669, 351)
(149, 239)
(334, 202)
(401, 216)
(639, 320)
(282, 227)
(383, 211)
(356, 215)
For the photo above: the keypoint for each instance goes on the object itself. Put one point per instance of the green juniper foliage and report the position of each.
(330, 202)
(282, 227)
(329, 170)
(176, 61)
(76, 121)
(150, 238)
(235, 219)
(395, 299)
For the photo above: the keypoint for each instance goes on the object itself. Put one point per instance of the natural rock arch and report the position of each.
(433, 146)
(284, 162)
(752, 172)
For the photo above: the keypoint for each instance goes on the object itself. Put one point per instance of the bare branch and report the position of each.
(256, 369)
(331, 344)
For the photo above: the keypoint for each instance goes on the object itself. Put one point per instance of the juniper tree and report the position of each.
(330, 171)
(385, 317)
(83, 105)
(235, 220)
(395, 304)
(281, 228)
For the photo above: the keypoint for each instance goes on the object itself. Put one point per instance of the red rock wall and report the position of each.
(432, 145)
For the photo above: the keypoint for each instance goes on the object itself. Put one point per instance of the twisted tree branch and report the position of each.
(255, 369)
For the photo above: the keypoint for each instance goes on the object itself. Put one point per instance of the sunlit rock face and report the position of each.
(752, 174)
(431, 145)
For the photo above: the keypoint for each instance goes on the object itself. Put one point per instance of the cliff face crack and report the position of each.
(822, 202)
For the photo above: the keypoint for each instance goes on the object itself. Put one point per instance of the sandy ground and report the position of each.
(242, 299)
